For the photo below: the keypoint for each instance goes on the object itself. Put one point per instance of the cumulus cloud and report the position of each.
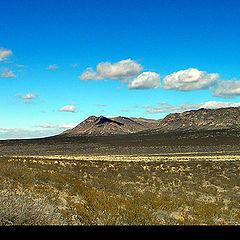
(68, 108)
(145, 80)
(27, 98)
(168, 108)
(121, 70)
(226, 89)
(8, 74)
(52, 67)
(5, 53)
(215, 104)
(90, 75)
(129, 71)
(190, 79)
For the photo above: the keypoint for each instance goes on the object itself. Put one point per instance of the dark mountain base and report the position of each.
(223, 141)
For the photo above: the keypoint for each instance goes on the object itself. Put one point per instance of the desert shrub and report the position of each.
(21, 208)
(50, 192)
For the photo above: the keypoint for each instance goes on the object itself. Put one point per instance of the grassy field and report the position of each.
(112, 192)
(192, 185)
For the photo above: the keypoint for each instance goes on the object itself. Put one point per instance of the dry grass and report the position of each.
(46, 191)
(23, 208)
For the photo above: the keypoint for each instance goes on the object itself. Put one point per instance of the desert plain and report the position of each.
(190, 178)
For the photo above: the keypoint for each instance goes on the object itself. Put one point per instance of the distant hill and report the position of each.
(202, 119)
(103, 126)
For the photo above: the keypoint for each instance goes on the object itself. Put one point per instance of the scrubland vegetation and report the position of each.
(164, 179)
(45, 191)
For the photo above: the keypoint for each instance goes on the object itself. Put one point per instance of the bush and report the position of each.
(20, 208)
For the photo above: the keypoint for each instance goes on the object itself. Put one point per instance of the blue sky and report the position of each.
(62, 61)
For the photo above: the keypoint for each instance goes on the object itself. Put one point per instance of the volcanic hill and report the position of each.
(103, 126)
(202, 119)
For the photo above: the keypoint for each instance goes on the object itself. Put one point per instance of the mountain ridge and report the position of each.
(201, 119)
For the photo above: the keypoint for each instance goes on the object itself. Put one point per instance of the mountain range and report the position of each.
(202, 119)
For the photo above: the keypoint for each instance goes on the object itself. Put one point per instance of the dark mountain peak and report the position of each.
(201, 119)
(124, 119)
(104, 120)
(109, 126)
(91, 118)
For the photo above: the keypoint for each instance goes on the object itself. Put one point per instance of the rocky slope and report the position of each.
(102, 126)
(202, 119)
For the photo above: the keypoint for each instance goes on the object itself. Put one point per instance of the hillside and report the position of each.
(194, 120)
(102, 126)
(202, 119)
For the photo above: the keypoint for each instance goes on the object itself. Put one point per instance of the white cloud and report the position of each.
(27, 96)
(68, 108)
(4, 53)
(145, 80)
(146, 106)
(30, 96)
(68, 125)
(190, 79)
(168, 108)
(129, 71)
(52, 67)
(64, 125)
(215, 104)
(48, 130)
(3, 130)
(8, 74)
(19, 133)
(47, 125)
(122, 70)
(226, 89)
(90, 75)
(125, 110)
